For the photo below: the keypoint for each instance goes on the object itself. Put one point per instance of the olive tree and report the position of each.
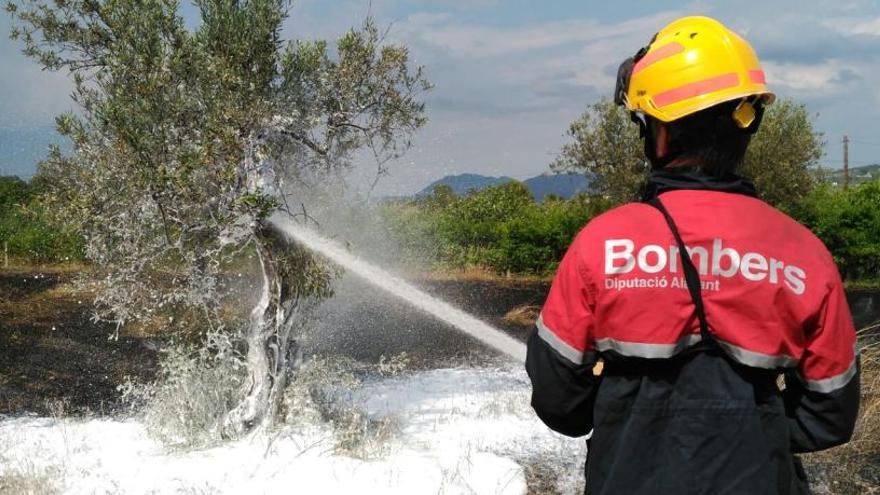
(784, 154)
(186, 140)
(604, 145)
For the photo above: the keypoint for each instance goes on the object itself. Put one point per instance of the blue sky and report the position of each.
(511, 75)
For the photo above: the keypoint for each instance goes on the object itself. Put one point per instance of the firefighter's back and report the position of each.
(676, 413)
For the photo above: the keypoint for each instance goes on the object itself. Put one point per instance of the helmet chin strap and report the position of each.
(647, 135)
(658, 162)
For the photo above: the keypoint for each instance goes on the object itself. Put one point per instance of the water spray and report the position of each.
(396, 286)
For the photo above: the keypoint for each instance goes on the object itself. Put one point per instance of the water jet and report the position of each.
(398, 287)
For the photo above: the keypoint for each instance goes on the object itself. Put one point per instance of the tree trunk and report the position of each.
(270, 349)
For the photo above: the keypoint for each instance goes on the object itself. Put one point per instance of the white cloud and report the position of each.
(483, 68)
(459, 4)
(870, 27)
(484, 41)
(596, 65)
(828, 77)
(852, 26)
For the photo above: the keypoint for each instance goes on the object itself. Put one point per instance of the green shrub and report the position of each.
(25, 233)
(501, 228)
(848, 222)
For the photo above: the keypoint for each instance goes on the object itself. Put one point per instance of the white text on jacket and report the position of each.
(622, 257)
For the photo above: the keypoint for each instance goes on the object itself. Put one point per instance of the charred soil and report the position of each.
(53, 358)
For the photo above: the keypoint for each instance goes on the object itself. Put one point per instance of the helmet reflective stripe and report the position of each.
(695, 89)
(757, 76)
(657, 55)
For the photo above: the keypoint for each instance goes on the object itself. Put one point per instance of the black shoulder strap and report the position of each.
(691, 276)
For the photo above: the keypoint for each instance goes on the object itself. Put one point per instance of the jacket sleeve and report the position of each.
(560, 356)
(822, 395)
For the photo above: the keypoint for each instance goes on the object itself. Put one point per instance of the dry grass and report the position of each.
(319, 393)
(867, 439)
(362, 437)
(524, 315)
(30, 481)
(25, 477)
(540, 479)
(196, 387)
(854, 468)
(477, 274)
(32, 268)
(558, 473)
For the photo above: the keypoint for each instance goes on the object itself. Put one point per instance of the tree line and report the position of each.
(503, 229)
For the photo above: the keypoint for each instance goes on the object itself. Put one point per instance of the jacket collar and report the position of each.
(661, 181)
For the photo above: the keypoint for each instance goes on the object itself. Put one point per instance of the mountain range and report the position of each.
(563, 185)
(567, 185)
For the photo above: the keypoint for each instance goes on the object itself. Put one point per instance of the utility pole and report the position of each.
(845, 161)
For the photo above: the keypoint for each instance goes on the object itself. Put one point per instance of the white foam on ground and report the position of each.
(458, 431)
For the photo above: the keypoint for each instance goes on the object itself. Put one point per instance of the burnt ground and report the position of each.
(53, 358)
(865, 306)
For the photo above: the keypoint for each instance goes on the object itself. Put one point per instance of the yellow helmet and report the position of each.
(692, 64)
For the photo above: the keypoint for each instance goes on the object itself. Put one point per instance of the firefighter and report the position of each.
(696, 300)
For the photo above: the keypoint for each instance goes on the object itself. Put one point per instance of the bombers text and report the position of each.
(621, 257)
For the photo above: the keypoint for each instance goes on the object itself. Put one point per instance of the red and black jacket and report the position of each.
(677, 409)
